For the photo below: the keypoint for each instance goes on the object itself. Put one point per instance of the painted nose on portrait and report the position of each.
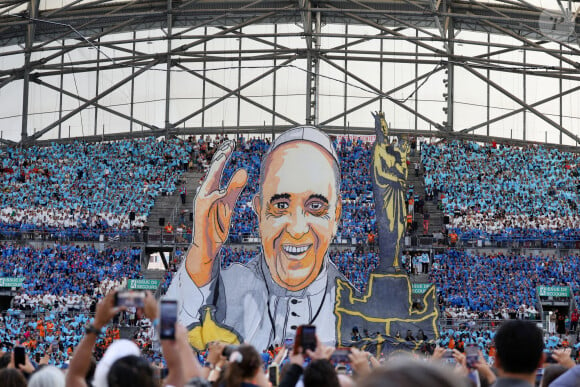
(297, 224)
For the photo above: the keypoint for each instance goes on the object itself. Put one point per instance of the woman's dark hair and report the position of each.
(131, 371)
(11, 377)
(320, 373)
(5, 359)
(245, 362)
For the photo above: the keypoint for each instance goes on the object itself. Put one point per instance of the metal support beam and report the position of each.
(129, 118)
(238, 94)
(229, 94)
(93, 100)
(315, 105)
(378, 91)
(516, 111)
(379, 97)
(524, 98)
(33, 12)
(521, 102)
(98, 72)
(132, 106)
(168, 65)
(274, 79)
(487, 88)
(60, 94)
(450, 25)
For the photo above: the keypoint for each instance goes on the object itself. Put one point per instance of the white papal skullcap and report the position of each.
(305, 133)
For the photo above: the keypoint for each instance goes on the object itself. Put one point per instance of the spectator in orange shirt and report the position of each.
(49, 327)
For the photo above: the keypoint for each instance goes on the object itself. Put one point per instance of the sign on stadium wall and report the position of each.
(420, 288)
(143, 284)
(554, 291)
(11, 282)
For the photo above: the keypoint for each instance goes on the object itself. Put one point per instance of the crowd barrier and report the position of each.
(162, 237)
(72, 235)
(518, 243)
(477, 324)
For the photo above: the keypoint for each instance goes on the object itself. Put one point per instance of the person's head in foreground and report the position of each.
(320, 373)
(405, 372)
(11, 377)
(47, 376)
(245, 363)
(298, 205)
(519, 350)
(122, 365)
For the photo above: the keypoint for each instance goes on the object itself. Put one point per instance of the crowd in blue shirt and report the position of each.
(491, 282)
(67, 269)
(504, 192)
(68, 332)
(483, 339)
(82, 189)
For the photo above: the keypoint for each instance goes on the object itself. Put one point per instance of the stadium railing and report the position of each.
(460, 323)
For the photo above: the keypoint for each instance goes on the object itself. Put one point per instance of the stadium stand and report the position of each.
(81, 190)
(498, 283)
(477, 291)
(505, 193)
(63, 277)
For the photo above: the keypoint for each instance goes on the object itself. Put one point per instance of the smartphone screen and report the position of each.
(471, 355)
(130, 299)
(168, 319)
(340, 356)
(448, 357)
(308, 337)
(19, 356)
(273, 374)
(288, 343)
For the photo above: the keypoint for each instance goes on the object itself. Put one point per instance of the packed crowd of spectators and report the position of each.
(66, 277)
(59, 333)
(459, 338)
(80, 190)
(505, 192)
(498, 283)
(518, 353)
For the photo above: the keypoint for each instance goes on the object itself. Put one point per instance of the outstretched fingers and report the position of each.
(216, 169)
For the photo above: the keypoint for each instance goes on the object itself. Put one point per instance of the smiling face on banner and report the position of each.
(298, 210)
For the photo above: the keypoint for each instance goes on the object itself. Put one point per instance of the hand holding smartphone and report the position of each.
(129, 298)
(274, 374)
(168, 319)
(19, 356)
(471, 355)
(340, 356)
(305, 338)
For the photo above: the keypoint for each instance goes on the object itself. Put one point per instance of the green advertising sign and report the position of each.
(554, 291)
(420, 288)
(11, 282)
(143, 284)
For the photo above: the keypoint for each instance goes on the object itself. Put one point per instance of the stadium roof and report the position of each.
(491, 69)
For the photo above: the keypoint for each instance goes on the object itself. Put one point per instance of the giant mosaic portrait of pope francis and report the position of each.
(292, 281)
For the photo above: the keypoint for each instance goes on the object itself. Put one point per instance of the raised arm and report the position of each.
(81, 360)
(212, 211)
